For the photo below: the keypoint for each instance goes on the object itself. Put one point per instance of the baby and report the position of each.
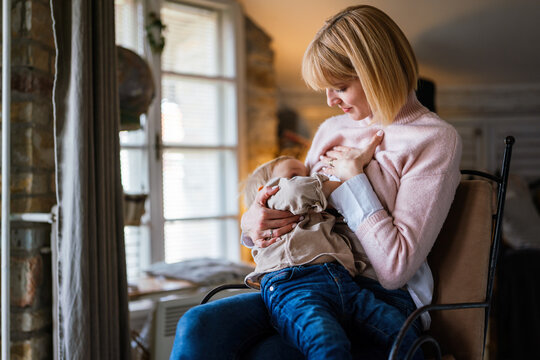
(306, 277)
(313, 240)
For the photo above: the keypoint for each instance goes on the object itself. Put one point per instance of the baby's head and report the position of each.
(283, 167)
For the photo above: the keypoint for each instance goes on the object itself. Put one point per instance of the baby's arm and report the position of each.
(329, 186)
(301, 194)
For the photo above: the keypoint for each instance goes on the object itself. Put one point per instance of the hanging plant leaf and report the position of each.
(154, 31)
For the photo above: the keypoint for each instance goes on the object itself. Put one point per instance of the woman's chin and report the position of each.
(357, 117)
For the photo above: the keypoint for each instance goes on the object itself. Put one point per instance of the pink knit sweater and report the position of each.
(414, 173)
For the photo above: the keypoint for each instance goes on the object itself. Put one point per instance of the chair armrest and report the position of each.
(221, 288)
(416, 314)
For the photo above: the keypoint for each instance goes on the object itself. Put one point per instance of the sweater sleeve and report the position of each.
(397, 244)
(299, 194)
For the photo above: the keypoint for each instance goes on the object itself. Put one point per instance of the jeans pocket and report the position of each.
(270, 286)
(276, 277)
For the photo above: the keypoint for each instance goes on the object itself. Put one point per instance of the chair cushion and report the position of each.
(460, 263)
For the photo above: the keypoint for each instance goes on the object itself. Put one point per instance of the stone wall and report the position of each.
(261, 92)
(262, 121)
(32, 178)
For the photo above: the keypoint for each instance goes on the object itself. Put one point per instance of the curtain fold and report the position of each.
(91, 304)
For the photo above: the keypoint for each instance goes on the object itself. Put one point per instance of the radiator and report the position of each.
(167, 313)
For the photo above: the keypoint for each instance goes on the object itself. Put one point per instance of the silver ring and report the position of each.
(271, 233)
(331, 163)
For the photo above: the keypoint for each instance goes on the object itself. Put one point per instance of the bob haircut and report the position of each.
(258, 178)
(363, 42)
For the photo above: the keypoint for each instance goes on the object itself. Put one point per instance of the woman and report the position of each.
(396, 205)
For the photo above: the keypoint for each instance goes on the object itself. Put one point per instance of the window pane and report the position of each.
(197, 183)
(199, 238)
(134, 168)
(137, 239)
(135, 137)
(198, 112)
(127, 17)
(191, 40)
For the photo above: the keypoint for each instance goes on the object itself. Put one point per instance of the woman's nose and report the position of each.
(331, 97)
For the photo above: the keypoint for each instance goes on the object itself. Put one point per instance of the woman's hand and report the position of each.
(346, 162)
(263, 225)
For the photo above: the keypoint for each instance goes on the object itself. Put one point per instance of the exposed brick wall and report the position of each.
(32, 178)
(262, 121)
(261, 93)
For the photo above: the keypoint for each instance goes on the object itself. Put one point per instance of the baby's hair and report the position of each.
(259, 177)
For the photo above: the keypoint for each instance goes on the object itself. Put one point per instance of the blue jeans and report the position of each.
(312, 306)
(239, 327)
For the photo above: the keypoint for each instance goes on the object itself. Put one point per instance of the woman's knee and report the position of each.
(229, 324)
(194, 322)
(189, 339)
(217, 319)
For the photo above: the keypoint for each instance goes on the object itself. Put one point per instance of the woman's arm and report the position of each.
(398, 243)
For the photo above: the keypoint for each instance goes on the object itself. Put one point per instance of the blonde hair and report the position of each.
(260, 176)
(363, 42)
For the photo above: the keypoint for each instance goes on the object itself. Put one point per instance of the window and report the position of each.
(185, 156)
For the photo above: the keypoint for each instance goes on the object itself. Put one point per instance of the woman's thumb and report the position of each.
(376, 140)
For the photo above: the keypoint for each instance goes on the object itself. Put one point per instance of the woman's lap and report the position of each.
(227, 328)
(399, 299)
(272, 348)
(238, 327)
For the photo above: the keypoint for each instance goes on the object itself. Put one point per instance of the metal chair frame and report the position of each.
(502, 182)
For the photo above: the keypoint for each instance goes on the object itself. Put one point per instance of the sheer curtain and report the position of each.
(91, 306)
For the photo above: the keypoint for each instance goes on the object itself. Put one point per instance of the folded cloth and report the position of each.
(202, 271)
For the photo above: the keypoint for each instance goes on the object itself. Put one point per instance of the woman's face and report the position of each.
(289, 168)
(349, 96)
